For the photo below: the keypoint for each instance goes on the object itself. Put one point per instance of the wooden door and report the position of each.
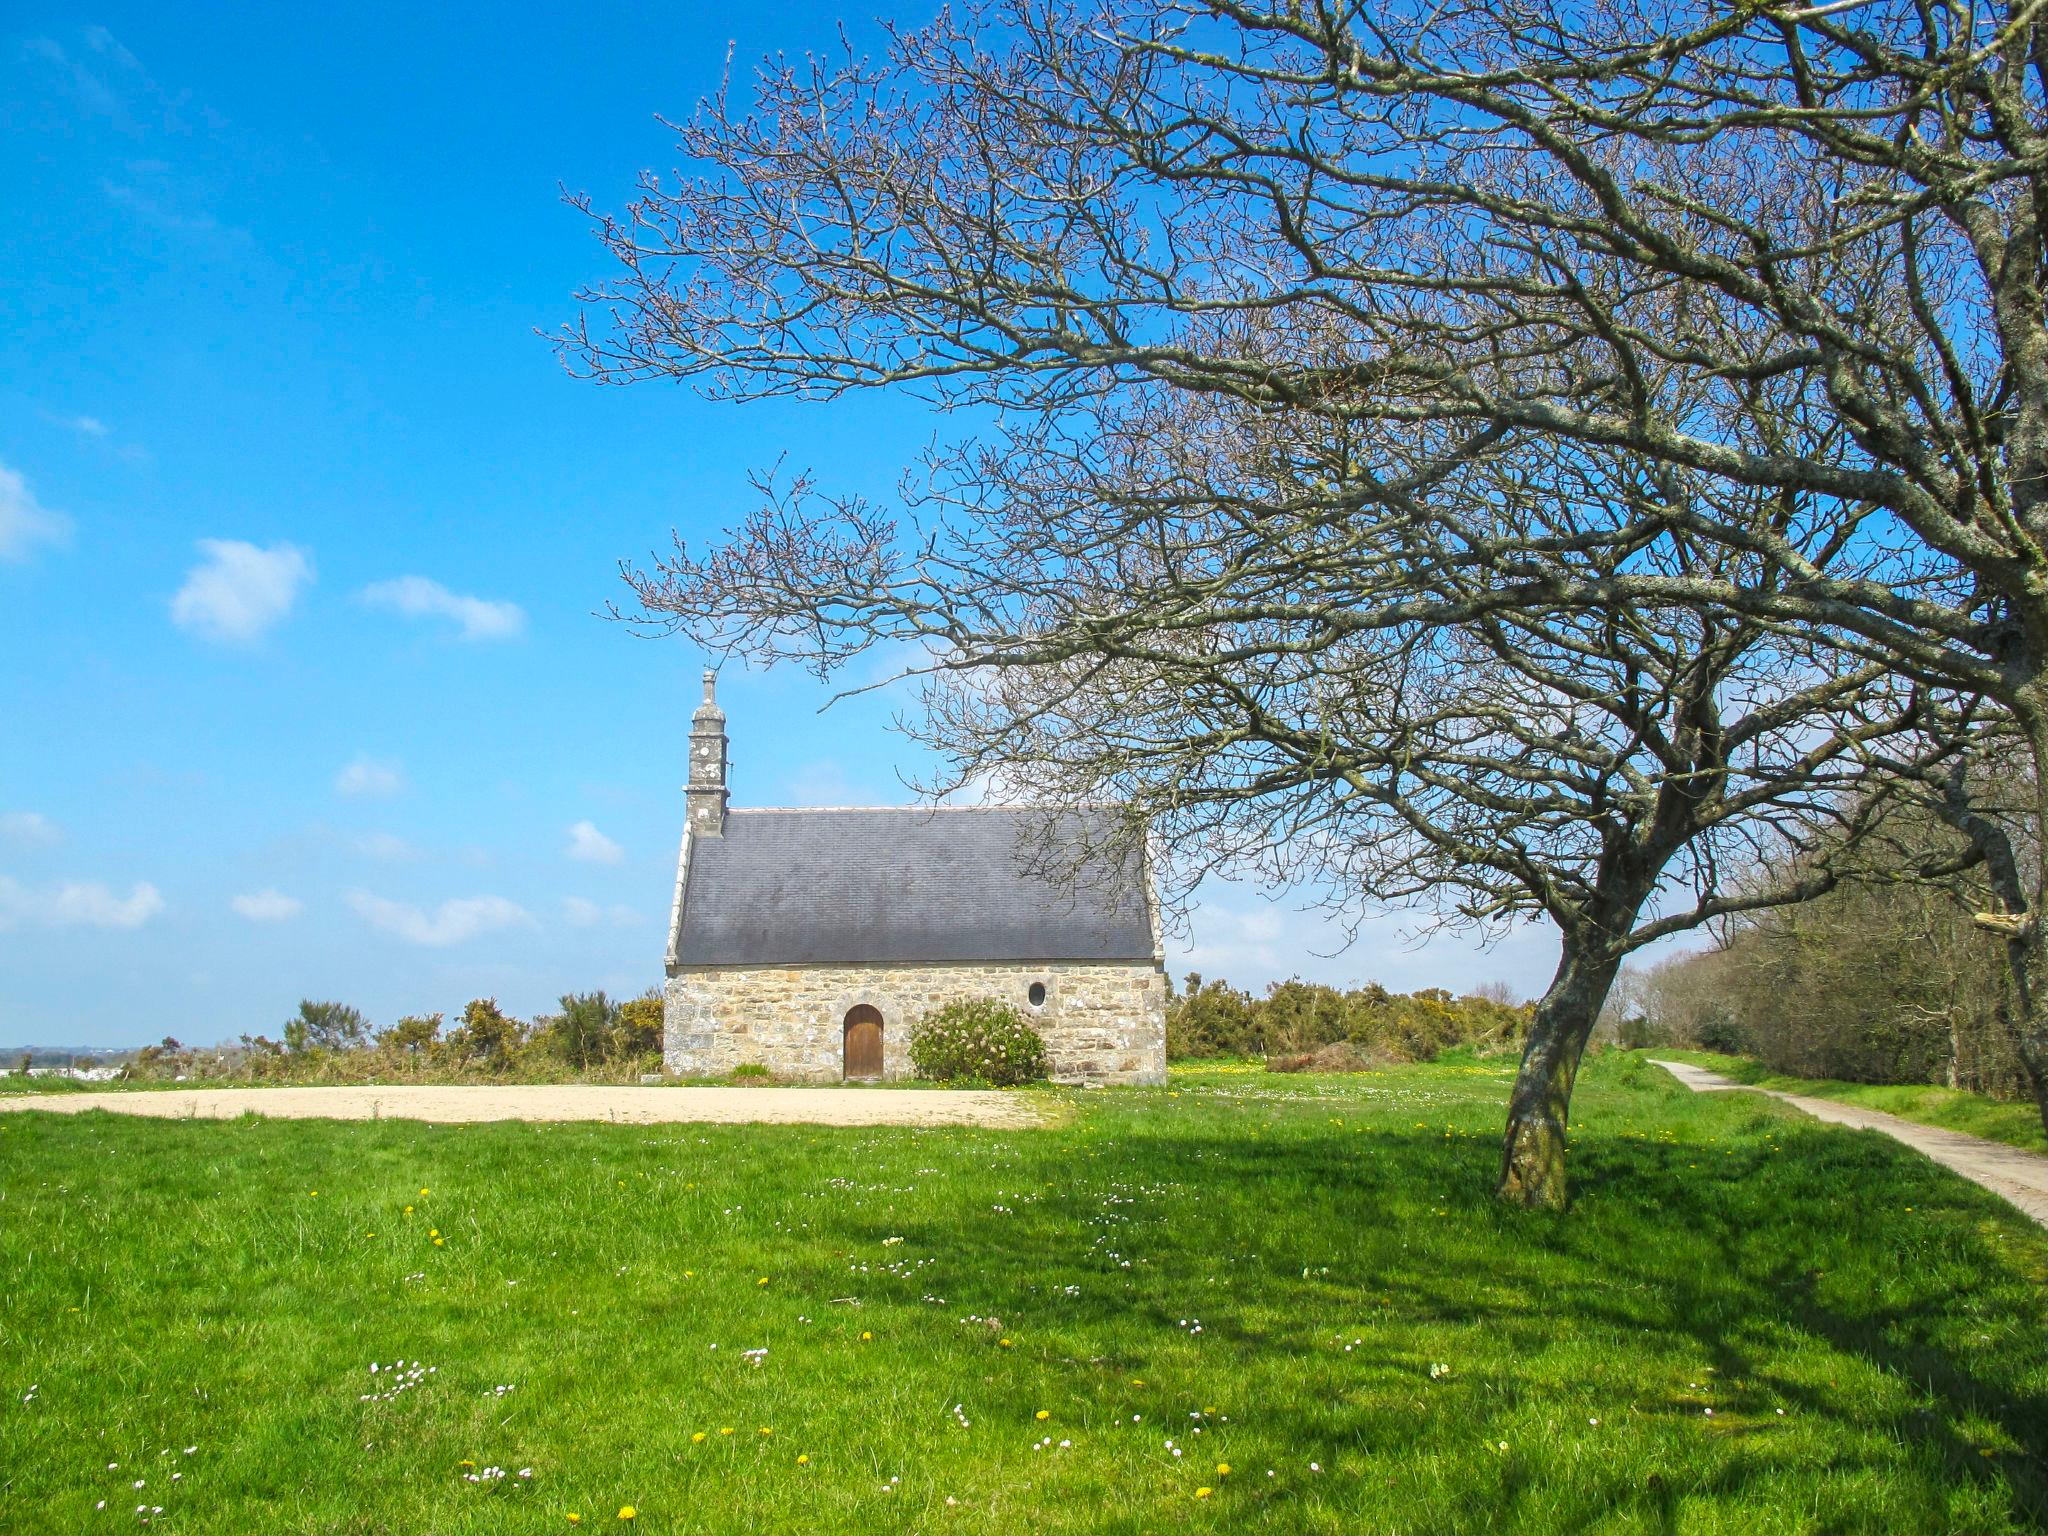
(863, 1042)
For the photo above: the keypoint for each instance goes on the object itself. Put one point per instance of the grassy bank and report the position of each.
(1748, 1323)
(2017, 1125)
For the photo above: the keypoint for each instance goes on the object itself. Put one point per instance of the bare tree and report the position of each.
(1768, 278)
(1174, 610)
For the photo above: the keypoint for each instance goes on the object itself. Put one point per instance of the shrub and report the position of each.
(585, 1028)
(1213, 1018)
(414, 1033)
(325, 1027)
(1295, 1018)
(166, 1060)
(752, 1074)
(485, 1033)
(979, 1038)
(639, 1026)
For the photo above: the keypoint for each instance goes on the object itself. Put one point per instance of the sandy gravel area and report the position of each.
(566, 1101)
(2016, 1176)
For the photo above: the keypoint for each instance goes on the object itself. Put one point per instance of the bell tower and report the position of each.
(706, 792)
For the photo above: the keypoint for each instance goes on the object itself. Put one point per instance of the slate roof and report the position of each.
(894, 886)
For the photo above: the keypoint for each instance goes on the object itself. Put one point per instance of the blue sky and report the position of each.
(304, 533)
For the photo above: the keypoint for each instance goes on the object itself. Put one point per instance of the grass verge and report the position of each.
(2017, 1125)
(1747, 1324)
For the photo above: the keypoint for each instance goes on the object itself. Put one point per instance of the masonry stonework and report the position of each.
(1103, 1022)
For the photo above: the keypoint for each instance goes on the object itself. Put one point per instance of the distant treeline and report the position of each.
(1297, 1018)
(1879, 982)
(593, 1036)
(55, 1056)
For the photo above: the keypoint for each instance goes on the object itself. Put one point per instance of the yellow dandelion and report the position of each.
(697, 1438)
(865, 1336)
(1043, 1414)
(574, 1518)
(803, 1461)
(762, 1281)
(314, 1193)
(423, 1191)
(766, 1430)
(725, 1431)
(465, 1463)
(408, 1210)
(1223, 1469)
(440, 1242)
(1005, 1343)
(627, 1512)
(1203, 1493)
(433, 1231)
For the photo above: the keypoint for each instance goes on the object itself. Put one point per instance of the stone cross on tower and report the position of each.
(706, 794)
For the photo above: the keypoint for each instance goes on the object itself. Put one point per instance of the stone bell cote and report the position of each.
(706, 793)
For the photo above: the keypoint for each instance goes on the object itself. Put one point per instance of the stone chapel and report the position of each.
(811, 940)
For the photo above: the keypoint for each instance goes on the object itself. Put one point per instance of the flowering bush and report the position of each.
(979, 1038)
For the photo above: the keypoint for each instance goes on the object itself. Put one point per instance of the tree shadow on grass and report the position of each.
(1756, 1264)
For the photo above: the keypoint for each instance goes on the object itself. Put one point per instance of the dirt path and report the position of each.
(566, 1101)
(2016, 1176)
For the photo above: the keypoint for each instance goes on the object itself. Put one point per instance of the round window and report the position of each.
(1037, 994)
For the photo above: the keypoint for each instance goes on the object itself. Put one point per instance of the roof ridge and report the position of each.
(807, 810)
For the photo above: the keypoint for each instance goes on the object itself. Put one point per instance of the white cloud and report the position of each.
(93, 429)
(29, 827)
(268, 906)
(240, 591)
(578, 913)
(366, 776)
(78, 904)
(88, 904)
(591, 846)
(24, 521)
(417, 597)
(450, 923)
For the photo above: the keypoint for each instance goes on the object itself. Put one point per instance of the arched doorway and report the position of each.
(863, 1042)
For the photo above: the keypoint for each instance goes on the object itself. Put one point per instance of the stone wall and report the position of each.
(1101, 1022)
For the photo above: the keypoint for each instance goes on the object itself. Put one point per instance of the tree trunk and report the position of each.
(2027, 956)
(1539, 1109)
(2017, 883)
(2015, 874)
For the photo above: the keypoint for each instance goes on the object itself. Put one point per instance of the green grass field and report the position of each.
(1748, 1323)
(2017, 1125)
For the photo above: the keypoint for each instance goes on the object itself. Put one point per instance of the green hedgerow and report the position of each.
(979, 1038)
